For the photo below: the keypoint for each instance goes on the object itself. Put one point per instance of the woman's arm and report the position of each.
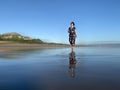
(68, 31)
(75, 34)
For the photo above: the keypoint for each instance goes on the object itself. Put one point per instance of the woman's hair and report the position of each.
(72, 23)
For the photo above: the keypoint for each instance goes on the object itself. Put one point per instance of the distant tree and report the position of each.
(1, 38)
(37, 41)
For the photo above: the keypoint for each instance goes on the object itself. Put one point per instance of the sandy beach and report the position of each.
(6, 46)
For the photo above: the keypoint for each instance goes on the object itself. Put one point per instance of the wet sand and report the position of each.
(87, 68)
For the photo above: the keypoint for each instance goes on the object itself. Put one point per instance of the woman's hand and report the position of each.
(75, 35)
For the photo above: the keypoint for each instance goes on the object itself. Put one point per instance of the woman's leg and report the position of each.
(72, 48)
(73, 43)
(70, 41)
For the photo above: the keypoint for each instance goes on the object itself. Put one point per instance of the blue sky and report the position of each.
(96, 20)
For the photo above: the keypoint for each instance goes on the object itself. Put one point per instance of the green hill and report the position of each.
(13, 36)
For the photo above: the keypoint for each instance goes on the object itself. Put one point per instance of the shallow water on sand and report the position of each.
(87, 68)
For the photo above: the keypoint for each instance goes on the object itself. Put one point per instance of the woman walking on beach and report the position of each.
(72, 35)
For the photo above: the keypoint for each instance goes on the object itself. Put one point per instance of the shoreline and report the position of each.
(31, 45)
(12, 47)
(8, 46)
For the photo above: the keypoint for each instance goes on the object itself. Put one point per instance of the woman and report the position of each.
(72, 34)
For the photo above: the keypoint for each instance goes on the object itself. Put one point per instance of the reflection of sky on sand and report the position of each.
(51, 69)
(16, 55)
(20, 53)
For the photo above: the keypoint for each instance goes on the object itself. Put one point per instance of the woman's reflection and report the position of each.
(72, 63)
